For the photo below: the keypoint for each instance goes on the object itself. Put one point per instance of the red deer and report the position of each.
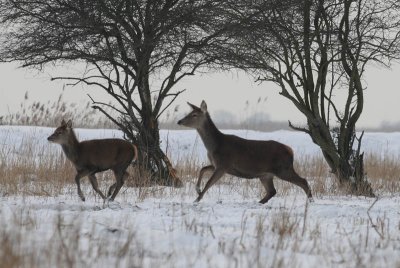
(241, 157)
(93, 156)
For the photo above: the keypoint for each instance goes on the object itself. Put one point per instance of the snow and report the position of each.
(161, 226)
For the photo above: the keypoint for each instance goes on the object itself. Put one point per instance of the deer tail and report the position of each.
(290, 150)
(136, 152)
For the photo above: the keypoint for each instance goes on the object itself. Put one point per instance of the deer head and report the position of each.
(62, 133)
(196, 118)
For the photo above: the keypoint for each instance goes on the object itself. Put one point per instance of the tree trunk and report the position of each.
(152, 158)
(347, 165)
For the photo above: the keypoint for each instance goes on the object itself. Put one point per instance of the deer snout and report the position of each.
(179, 122)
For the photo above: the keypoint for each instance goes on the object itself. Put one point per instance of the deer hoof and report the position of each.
(198, 189)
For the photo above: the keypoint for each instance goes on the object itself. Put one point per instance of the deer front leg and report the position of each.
(214, 178)
(202, 171)
(78, 178)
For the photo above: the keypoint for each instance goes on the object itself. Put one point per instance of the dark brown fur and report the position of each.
(241, 157)
(92, 156)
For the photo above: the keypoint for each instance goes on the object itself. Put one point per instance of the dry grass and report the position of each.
(37, 170)
(33, 170)
(8, 256)
(37, 113)
(64, 248)
(384, 172)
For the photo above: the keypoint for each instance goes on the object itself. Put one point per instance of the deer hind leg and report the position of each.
(114, 189)
(214, 178)
(202, 171)
(111, 189)
(95, 185)
(291, 176)
(114, 185)
(268, 183)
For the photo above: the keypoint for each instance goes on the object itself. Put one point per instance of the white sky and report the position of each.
(228, 92)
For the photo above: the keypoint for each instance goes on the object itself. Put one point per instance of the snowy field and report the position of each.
(162, 227)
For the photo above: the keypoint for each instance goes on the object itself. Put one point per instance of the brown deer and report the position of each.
(93, 156)
(241, 157)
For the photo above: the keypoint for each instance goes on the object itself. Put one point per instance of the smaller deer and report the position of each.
(93, 156)
(241, 157)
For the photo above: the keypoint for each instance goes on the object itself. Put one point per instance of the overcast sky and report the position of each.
(235, 93)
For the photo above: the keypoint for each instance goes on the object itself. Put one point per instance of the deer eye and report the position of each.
(194, 115)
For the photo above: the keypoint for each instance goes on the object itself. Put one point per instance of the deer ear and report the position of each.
(194, 107)
(203, 106)
(63, 122)
(69, 123)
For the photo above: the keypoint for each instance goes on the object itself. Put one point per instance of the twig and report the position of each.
(298, 128)
(305, 218)
(64, 246)
(370, 219)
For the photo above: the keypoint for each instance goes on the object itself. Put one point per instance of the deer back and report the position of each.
(106, 153)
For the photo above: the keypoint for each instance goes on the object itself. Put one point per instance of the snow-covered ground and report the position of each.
(162, 227)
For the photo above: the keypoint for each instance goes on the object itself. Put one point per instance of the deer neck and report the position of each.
(210, 134)
(71, 148)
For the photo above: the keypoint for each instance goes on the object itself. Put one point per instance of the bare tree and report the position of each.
(135, 50)
(317, 52)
